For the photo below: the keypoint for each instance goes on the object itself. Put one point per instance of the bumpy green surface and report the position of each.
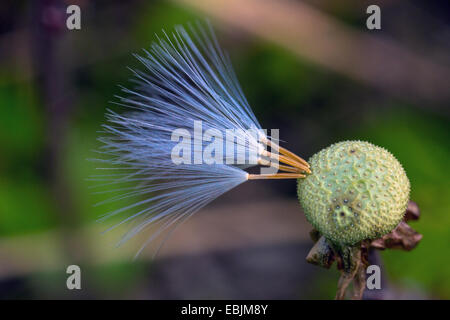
(356, 191)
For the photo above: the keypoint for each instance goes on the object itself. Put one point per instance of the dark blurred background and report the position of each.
(310, 68)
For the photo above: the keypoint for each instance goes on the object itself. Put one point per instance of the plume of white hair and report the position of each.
(187, 81)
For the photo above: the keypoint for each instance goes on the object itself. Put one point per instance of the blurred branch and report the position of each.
(320, 38)
(55, 92)
(214, 229)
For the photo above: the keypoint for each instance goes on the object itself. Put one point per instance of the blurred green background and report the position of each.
(55, 85)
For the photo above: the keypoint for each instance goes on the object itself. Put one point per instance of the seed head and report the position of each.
(356, 191)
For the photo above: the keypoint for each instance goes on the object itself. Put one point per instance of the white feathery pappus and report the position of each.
(187, 81)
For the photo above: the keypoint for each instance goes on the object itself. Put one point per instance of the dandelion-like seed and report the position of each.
(187, 80)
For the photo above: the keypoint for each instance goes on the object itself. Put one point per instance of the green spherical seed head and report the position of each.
(356, 191)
